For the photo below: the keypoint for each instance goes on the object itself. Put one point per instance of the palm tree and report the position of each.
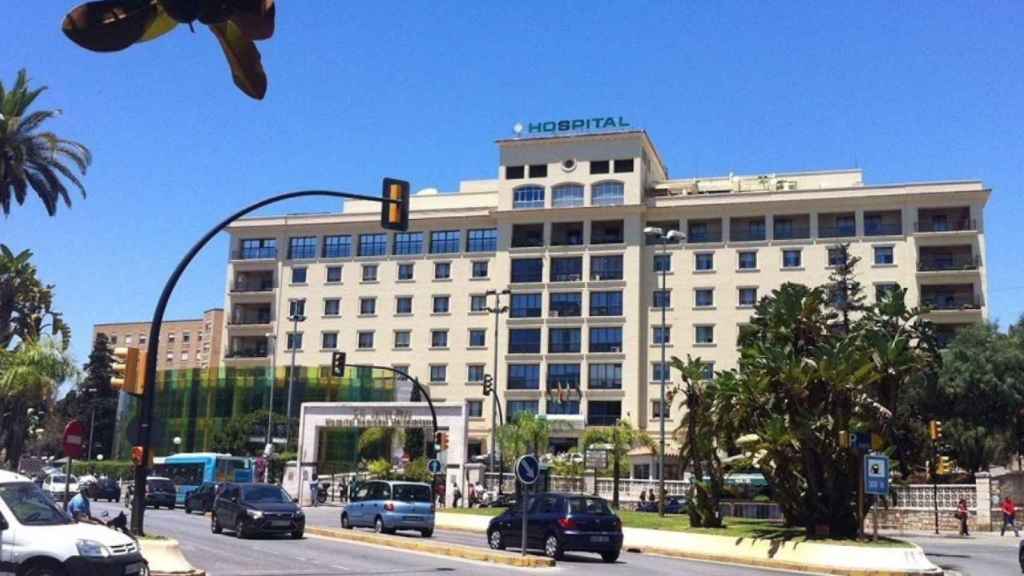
(30, 158)
(622, 437)
(29, 375)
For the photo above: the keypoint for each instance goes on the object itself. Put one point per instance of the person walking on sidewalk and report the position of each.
(961, 514)
(1009, 517)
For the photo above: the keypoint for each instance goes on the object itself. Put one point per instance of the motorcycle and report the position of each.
(321, 492)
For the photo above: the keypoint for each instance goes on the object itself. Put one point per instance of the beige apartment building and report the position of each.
(562, 229)
(194, 343)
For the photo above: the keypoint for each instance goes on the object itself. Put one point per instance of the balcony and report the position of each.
(247, 353)
(791, 227)
(602, 420)
(837, 225)
(747, 230)
(949, 297)
(527, 236)
(948, 263)
(887, 223)
(703, 231)
(253, 283)
(946, 226)
(944, 220)
(255, 253)
(251, 316)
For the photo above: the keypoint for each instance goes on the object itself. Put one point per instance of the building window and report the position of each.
(299, 275)
(525, 305)
(524, 377)
(402, 339)
(608, 303)
(524, 341)
(113, 339)
(835, 256)
(478, 303)
(444, 242)
(600, 166)
(184, 356)
(405, 271)
(606, 339)
(170, 356)
(662, 262)
(475, 373)
(607, 194)
(369, 272)
(329, 340)
(373, 244)
(567, 196)
(567, 269)
(748, 260)
(605, 377)
(704, 297)
(475, 408)
(604, 413)
(368, 306)
(517, 407)
(365, 340)
(656, 410)
(883, 255)
(557, 406)
(704, 261)
(528, 270)
(295, 308)
(515, 172)
(884, 290)
(337, 246)
(442, 270)
(403, 305)
(438, 373)
(567, 233)
(606, 232)
(662, 334)
(563, 376)
(606, 267)
(481, 268)
(662, 298)
(538, 170)
(564, 340)
(565, 304)
(660, 371)
(791, 259)
(527, 235)
(408, 243)
(623, 166)
(477, 338)
(302, 247)
(704, 334)
(748, 297)
(294, 341)
(128, 340)
(438, 338)
(528, 197)
(442, 304)
(333, 274)
(482, 240)
(332, 306)
(258, 248)
(707, 371)
(186, 337)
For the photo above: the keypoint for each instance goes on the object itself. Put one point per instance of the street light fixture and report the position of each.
(497, 310)
(177, 444)
(297, 307)
(664, 238)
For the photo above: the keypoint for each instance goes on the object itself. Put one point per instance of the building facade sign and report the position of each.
(361, 418)
(574, 125)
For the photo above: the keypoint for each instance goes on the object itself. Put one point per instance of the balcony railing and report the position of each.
(883, 229)
(247, 353)
(945, 226)
(527, 241)
(529, 348)
(260, 253)
(703, 237)
(567, 276)
(254, 286)
(951, 262)
(606, 274)
(793, 233)
(525, 312)
(602, 419)
(565, 310)
(606, 310)
(843, 231)
(950, 303)
(523, 384)
(250, 320)
(527, 277)
(746, 235)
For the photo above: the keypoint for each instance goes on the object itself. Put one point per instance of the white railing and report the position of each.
(920, 496)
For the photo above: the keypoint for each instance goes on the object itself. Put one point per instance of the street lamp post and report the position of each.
(177, 444)
(272, 344)
(663, 237)
(497, 310)
(92, 417)
(296, 317)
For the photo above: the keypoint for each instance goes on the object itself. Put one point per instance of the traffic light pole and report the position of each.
(152, 346)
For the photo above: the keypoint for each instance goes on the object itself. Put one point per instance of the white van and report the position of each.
(38, 539)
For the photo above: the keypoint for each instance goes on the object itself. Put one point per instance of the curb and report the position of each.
(165, 559)
(434, 547)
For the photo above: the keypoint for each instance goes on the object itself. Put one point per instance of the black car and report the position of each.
(672, 506)
(251, 509)
(105, 489)
(159, 492)
(559, 523)
(201, 499)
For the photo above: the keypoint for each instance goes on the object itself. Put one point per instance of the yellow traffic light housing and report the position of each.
(394, 211)
(129, 366)
(935, 430)
(944, 466)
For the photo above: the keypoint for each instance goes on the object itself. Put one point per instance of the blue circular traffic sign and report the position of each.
(434, 466)
(528, 469)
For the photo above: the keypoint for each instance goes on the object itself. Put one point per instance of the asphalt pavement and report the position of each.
(982, 554)
(225, 555)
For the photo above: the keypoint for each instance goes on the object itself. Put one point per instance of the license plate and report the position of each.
(280, 523)
(133, 569)
(412, 518)
(599, 539)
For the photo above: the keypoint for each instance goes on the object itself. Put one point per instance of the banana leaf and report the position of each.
(244, 59)
(109, 25)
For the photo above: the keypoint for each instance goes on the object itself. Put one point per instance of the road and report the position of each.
(224, 555)
(980, 555)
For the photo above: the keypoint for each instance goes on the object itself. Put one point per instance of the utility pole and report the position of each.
(297, 307)
(92, 417)
(497, 310)
(268, 450)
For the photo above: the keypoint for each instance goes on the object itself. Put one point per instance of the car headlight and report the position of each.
(92, 549)
(255, 514)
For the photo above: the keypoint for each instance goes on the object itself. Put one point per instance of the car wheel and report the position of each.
(610, 557)
(378, 525)
(495, 541)
(188, 509)
(44, 570)
(215, 524)
(427, 532)
(297, 535)
(172, 506)
(240, 529)
(552, 547)
(345, 522)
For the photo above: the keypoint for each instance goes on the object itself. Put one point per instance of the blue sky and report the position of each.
(907, 91)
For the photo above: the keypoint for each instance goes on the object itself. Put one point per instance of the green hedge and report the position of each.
(117, 469)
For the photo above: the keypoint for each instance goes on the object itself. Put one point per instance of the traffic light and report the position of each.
(944, 466)
(137, 455)
(440, 443)
(394, 211)
(129, 366)
(488, 384)
(338, 364)
(935, 430)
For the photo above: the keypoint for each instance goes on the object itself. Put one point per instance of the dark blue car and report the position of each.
(559, 523)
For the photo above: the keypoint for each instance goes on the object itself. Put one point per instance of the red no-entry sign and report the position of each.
(74, 439)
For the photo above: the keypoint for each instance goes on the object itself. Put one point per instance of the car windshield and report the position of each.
(61, 479)
(161, 486)
(31, 506)
(412, 493)
(265, 494)
(594, 506)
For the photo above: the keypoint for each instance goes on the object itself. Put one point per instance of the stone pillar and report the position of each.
(983, 497)
(589, 482)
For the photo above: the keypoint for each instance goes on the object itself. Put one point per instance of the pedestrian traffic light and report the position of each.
(394, 212)
(137, 455)
(439, 441)
(338, 364)
(935, 430)
(488, 384)
(129, 366)
(944, 466)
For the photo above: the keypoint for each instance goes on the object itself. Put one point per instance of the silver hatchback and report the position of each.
(387, 506)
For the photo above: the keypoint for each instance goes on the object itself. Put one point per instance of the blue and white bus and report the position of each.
(188, 471)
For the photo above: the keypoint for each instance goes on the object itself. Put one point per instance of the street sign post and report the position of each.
(876, 481)
(527, 472)
(74, 436)
(434, 466)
